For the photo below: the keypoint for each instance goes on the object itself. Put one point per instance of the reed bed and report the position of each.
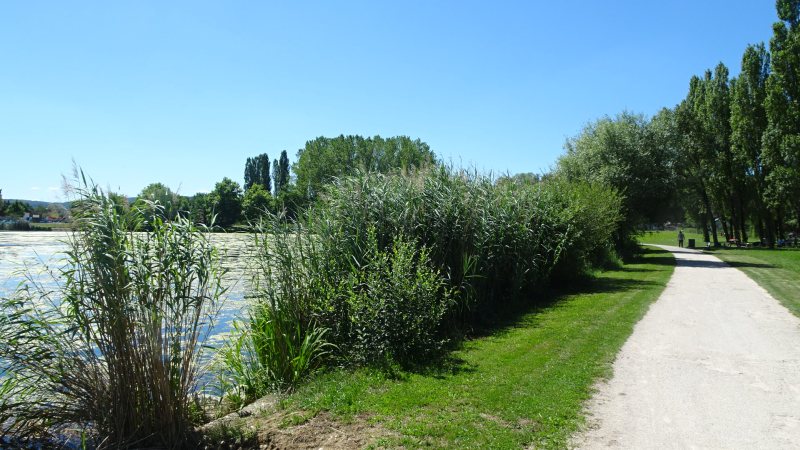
(386, 269)
(113, 351)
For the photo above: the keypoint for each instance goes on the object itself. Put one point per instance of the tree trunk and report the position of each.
(770, 224)
(709, 212)
(742, 220)
(724, 223)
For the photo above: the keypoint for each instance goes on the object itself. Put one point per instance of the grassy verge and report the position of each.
(54, 226)
(525, 384)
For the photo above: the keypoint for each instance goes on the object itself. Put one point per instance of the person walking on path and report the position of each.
(680, 238)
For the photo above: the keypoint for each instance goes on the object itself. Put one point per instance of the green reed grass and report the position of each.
(114, 349)
(394, 266)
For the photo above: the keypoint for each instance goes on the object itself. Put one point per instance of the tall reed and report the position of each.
(391, 266)
(115, 348)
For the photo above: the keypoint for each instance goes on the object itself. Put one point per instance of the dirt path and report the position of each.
(715, 363)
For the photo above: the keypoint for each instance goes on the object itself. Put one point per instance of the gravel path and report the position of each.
(715, 363)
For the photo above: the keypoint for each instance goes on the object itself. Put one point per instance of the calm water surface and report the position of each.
(38, 255)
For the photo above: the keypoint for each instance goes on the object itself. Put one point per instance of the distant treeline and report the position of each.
(277, 186)
(16, 209)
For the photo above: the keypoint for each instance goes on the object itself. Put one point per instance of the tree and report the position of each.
(291, 202)
(256, 171)
(728, 180)
(16, 208)
(695, 162)
(256, 203)
(201, 209)
(781, 140)
(748, 124)
(281, 173)
(324, 159)
(162, 195)
(226, 199)
(2, 204)
(623, 153)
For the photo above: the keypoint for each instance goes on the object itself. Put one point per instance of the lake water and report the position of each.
(38, 255)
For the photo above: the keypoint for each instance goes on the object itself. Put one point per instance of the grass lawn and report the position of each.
(525, 384)
(54, 226)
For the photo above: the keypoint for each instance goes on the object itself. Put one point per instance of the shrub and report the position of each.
(396, 302)
(115, 348)
(15, 225)
(592, 212)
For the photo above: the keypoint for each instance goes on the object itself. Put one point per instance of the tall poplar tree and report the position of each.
(281, 171)
(782, 137)
(256, 171)
(695, 163)
(748, 124)
(727, 184)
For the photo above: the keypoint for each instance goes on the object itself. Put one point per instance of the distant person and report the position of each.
(680, 238)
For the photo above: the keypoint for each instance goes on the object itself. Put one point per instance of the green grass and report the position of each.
(525, 384)
(54, 226)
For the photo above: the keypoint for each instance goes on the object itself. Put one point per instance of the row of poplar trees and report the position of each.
(257, 171)
(738, 162)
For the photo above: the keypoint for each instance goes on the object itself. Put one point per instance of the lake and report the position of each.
(39, 254)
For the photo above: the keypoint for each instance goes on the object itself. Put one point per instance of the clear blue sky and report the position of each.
(184, 92)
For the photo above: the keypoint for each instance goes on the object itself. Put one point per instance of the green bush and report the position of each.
(592, 212)
(15, 225)
(396, 303)
(114, 348)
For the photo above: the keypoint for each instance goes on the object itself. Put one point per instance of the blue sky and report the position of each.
(183, 92)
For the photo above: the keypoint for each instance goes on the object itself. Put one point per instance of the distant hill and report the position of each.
(35, 203)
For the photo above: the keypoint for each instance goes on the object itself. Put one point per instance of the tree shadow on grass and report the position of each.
(738, 264)
(520, 314)
(720, 264)
(441, 366)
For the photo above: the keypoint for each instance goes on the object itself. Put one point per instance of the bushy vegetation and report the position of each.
(15, 225)
(114, 348)
(628, 154)
(387, 268)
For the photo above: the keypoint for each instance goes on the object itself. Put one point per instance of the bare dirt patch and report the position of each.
(293, 431)
(322, 431)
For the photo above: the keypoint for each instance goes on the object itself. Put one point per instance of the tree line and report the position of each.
(727, 157)
(16, 209)
(280, 187)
